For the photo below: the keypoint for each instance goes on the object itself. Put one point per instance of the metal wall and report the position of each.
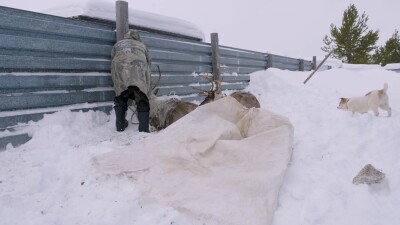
(48, 63)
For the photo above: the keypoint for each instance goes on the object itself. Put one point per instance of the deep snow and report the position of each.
(50, 180)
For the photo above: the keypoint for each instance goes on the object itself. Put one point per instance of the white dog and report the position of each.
(371, 101)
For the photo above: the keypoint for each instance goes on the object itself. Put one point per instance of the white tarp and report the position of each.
(228, 173)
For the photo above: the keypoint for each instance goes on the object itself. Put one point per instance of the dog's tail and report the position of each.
(385, 87)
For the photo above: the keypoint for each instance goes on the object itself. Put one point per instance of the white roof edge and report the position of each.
(106, 10)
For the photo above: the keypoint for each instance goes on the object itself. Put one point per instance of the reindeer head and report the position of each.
(212, 94)
(164, 112)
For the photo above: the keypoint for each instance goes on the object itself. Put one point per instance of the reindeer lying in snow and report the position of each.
(245, 98)
(164, 112)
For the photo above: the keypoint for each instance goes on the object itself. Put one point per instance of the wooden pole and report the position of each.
(301, 66)
(215, 57)
(122, 19)
(270, 62)
(330, 53)
(314, 62)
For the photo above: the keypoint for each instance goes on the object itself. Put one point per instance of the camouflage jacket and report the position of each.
(131, 64)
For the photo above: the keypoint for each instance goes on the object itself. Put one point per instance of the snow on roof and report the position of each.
(106, 10)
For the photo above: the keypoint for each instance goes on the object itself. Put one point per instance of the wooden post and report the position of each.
(215, 56)
(301, 68)
(122, 19)
(270, 62)
(314, 62)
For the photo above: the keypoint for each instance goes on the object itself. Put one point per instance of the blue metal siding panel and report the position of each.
(165, 68)
(49, 47)
(177, 57)
(19, 101)
(50, 27)
(241, 53)
(29, 63)
(177, 46)
(41, 81)
(15, 140)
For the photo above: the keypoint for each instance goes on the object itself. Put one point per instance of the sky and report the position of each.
(77, 169)
(285, 27)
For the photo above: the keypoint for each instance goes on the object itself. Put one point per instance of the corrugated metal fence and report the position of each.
(48, 63)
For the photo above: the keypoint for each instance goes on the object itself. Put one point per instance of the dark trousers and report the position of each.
(142, 104)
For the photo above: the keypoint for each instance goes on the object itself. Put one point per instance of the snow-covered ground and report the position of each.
(50, 179)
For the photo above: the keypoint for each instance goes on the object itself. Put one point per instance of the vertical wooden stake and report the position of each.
(215, 56)
(314, 62)
(270, 61)
(301, 66)
(122, 19)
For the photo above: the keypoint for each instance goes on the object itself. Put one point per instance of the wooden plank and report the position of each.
(29, 64)
(49, 27)
(50, 46)
(42, 81)
(19, 101)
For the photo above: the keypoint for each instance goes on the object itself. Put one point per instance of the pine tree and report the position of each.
(390, 52)
(353, 41)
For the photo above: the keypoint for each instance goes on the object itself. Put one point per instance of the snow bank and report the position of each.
(106, 10)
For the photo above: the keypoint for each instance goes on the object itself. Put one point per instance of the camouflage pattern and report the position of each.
(131, 65)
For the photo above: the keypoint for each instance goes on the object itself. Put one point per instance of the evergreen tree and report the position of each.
(353, 41)
(390, 53)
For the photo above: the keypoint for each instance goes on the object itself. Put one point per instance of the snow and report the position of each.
(106, 10)
(50, 179)
(393, 66)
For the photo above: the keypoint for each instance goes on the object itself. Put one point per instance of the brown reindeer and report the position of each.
(164, 112)
(247, 99)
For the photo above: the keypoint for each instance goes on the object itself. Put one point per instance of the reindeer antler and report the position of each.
(159, 78)
(205, 92)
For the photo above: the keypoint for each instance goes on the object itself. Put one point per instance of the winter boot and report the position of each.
(143, 109)
(120, 107)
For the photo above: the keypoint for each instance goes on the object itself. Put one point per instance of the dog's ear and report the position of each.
(344, 100)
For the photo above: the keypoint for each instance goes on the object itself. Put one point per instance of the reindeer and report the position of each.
(164, 112)
(245, 98)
